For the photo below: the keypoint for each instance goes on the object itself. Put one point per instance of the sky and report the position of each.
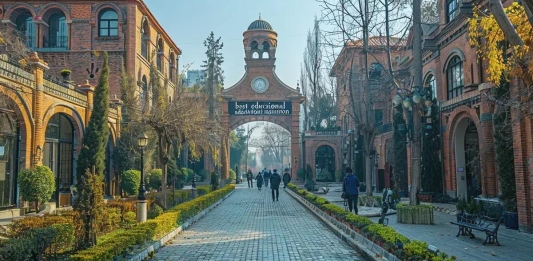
(189, 23)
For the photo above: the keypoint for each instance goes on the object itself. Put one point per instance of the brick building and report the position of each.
(71, 34)
(349, 69)
(42, 123)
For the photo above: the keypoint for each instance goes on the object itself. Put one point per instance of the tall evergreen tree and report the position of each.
(399, 169)
(213, 71)
(88, 200)
(431, 163)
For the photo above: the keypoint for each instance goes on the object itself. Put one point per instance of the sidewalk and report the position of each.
(514, 245)
(249, 226)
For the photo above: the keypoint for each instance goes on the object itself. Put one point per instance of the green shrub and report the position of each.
(232, 175)
(153, 180)
(385, 234)
(130, 182)
(36, 185)
(358, 221)
(119, 242)
(154, 211)
(17, 249)
(202, 190)
(335, 210)
(130, 219)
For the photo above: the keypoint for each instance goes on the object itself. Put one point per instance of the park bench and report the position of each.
(480, 223)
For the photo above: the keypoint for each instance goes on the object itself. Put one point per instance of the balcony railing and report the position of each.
(55, 44)
(13, 70)
(57, 89)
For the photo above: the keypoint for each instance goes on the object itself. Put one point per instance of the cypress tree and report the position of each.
(97, 131)
(89, 198)
(399, 169)
(431, 163)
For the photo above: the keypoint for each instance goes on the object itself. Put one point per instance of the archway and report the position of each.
(58, 155)
(325, 163)
(9, 144)
(467, 159)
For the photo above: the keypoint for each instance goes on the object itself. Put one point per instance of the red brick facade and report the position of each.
(82, 43)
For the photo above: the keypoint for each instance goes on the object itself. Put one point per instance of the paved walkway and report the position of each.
(515, 245)
(249, 226)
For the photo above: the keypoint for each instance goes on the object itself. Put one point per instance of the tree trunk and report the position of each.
(368, 172)
(528, 6)
(161, 157)
(417, 62)
(496, 8)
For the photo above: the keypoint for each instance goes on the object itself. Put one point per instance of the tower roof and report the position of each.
(260, 24)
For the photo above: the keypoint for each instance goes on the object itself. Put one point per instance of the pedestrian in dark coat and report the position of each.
(250, 178)
(266, 176)
(275, 179)
(350, 188)
(286, 178)
(259, 180)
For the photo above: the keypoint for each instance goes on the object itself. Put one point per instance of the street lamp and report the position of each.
(141, 198)
(418, 102)
(237, 174)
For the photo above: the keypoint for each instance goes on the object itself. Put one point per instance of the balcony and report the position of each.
(55, 44)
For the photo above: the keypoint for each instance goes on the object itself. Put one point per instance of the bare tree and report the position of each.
(430, 13)
(274, 143)
(359, 19)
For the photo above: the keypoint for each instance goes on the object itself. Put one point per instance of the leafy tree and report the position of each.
(214, 181)
(154, 179)
(36, 185)
(232, 175)
(213, 70)
(130, 182)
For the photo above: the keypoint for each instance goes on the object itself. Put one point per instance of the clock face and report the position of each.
(260, 84)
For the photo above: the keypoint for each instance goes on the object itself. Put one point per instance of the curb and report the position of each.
(149, 250)
(367, 248)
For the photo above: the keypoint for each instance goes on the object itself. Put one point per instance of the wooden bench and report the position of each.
(480, 223)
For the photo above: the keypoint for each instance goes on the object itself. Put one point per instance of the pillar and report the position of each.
(489, 179)
(38, 67)
(522, 144)
(295, 136)
(89, 91)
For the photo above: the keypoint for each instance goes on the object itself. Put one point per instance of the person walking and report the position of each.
(250, 179)
(286, 178)
(266, 176)
(259, 180)
(275, 179)
(350, 189)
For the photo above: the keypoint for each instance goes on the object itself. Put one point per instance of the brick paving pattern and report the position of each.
(249, 226)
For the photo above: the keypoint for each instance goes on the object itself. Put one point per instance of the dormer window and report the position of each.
(452, 9)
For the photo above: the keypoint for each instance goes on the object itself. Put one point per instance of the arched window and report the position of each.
(254, 45)
(266, 46)
(431, 83)
(108, 22)
(143, 92)
(160, 55)
(455, 78)
(255, 55)
(9, 133)
(145, 39)
(266, 55)
(57, 31)
(24, 24)
(325, 163)
(57, 154)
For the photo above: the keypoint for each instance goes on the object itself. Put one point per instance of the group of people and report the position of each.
(272, 177)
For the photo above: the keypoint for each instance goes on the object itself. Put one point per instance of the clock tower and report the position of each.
(261, 96)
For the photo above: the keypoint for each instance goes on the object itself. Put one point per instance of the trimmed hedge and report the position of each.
(387, 237)
(419, 214)
(119, 243)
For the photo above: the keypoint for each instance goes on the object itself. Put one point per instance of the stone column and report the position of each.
(295, 135)
(38, 67)
(89, 91)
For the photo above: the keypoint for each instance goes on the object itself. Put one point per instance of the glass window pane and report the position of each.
(113, 32)
(109, 14)
(104, 24)
(113, 24)
(104, 32)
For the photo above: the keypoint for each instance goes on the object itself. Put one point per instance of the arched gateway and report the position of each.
(260, 95)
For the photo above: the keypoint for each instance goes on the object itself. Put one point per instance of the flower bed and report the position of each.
(386, 237)
(119, 243)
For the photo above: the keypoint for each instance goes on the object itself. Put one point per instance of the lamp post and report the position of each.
(236, 173)
(418, 101)
(141, 198)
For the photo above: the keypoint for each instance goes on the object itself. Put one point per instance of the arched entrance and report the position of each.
(260, 95)
(58, 155)
(467, 159)
(325, 163)
(9, 133)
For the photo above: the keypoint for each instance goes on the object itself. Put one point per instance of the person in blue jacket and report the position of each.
(350, 188)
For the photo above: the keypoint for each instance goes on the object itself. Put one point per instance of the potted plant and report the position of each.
(36, 185)
(471, 209)
(461, 207)
(66, 74)
(510, 216)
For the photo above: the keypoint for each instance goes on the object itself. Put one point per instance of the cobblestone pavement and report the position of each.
(249, 226)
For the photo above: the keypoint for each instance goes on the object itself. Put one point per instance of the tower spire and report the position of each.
(259, 16)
